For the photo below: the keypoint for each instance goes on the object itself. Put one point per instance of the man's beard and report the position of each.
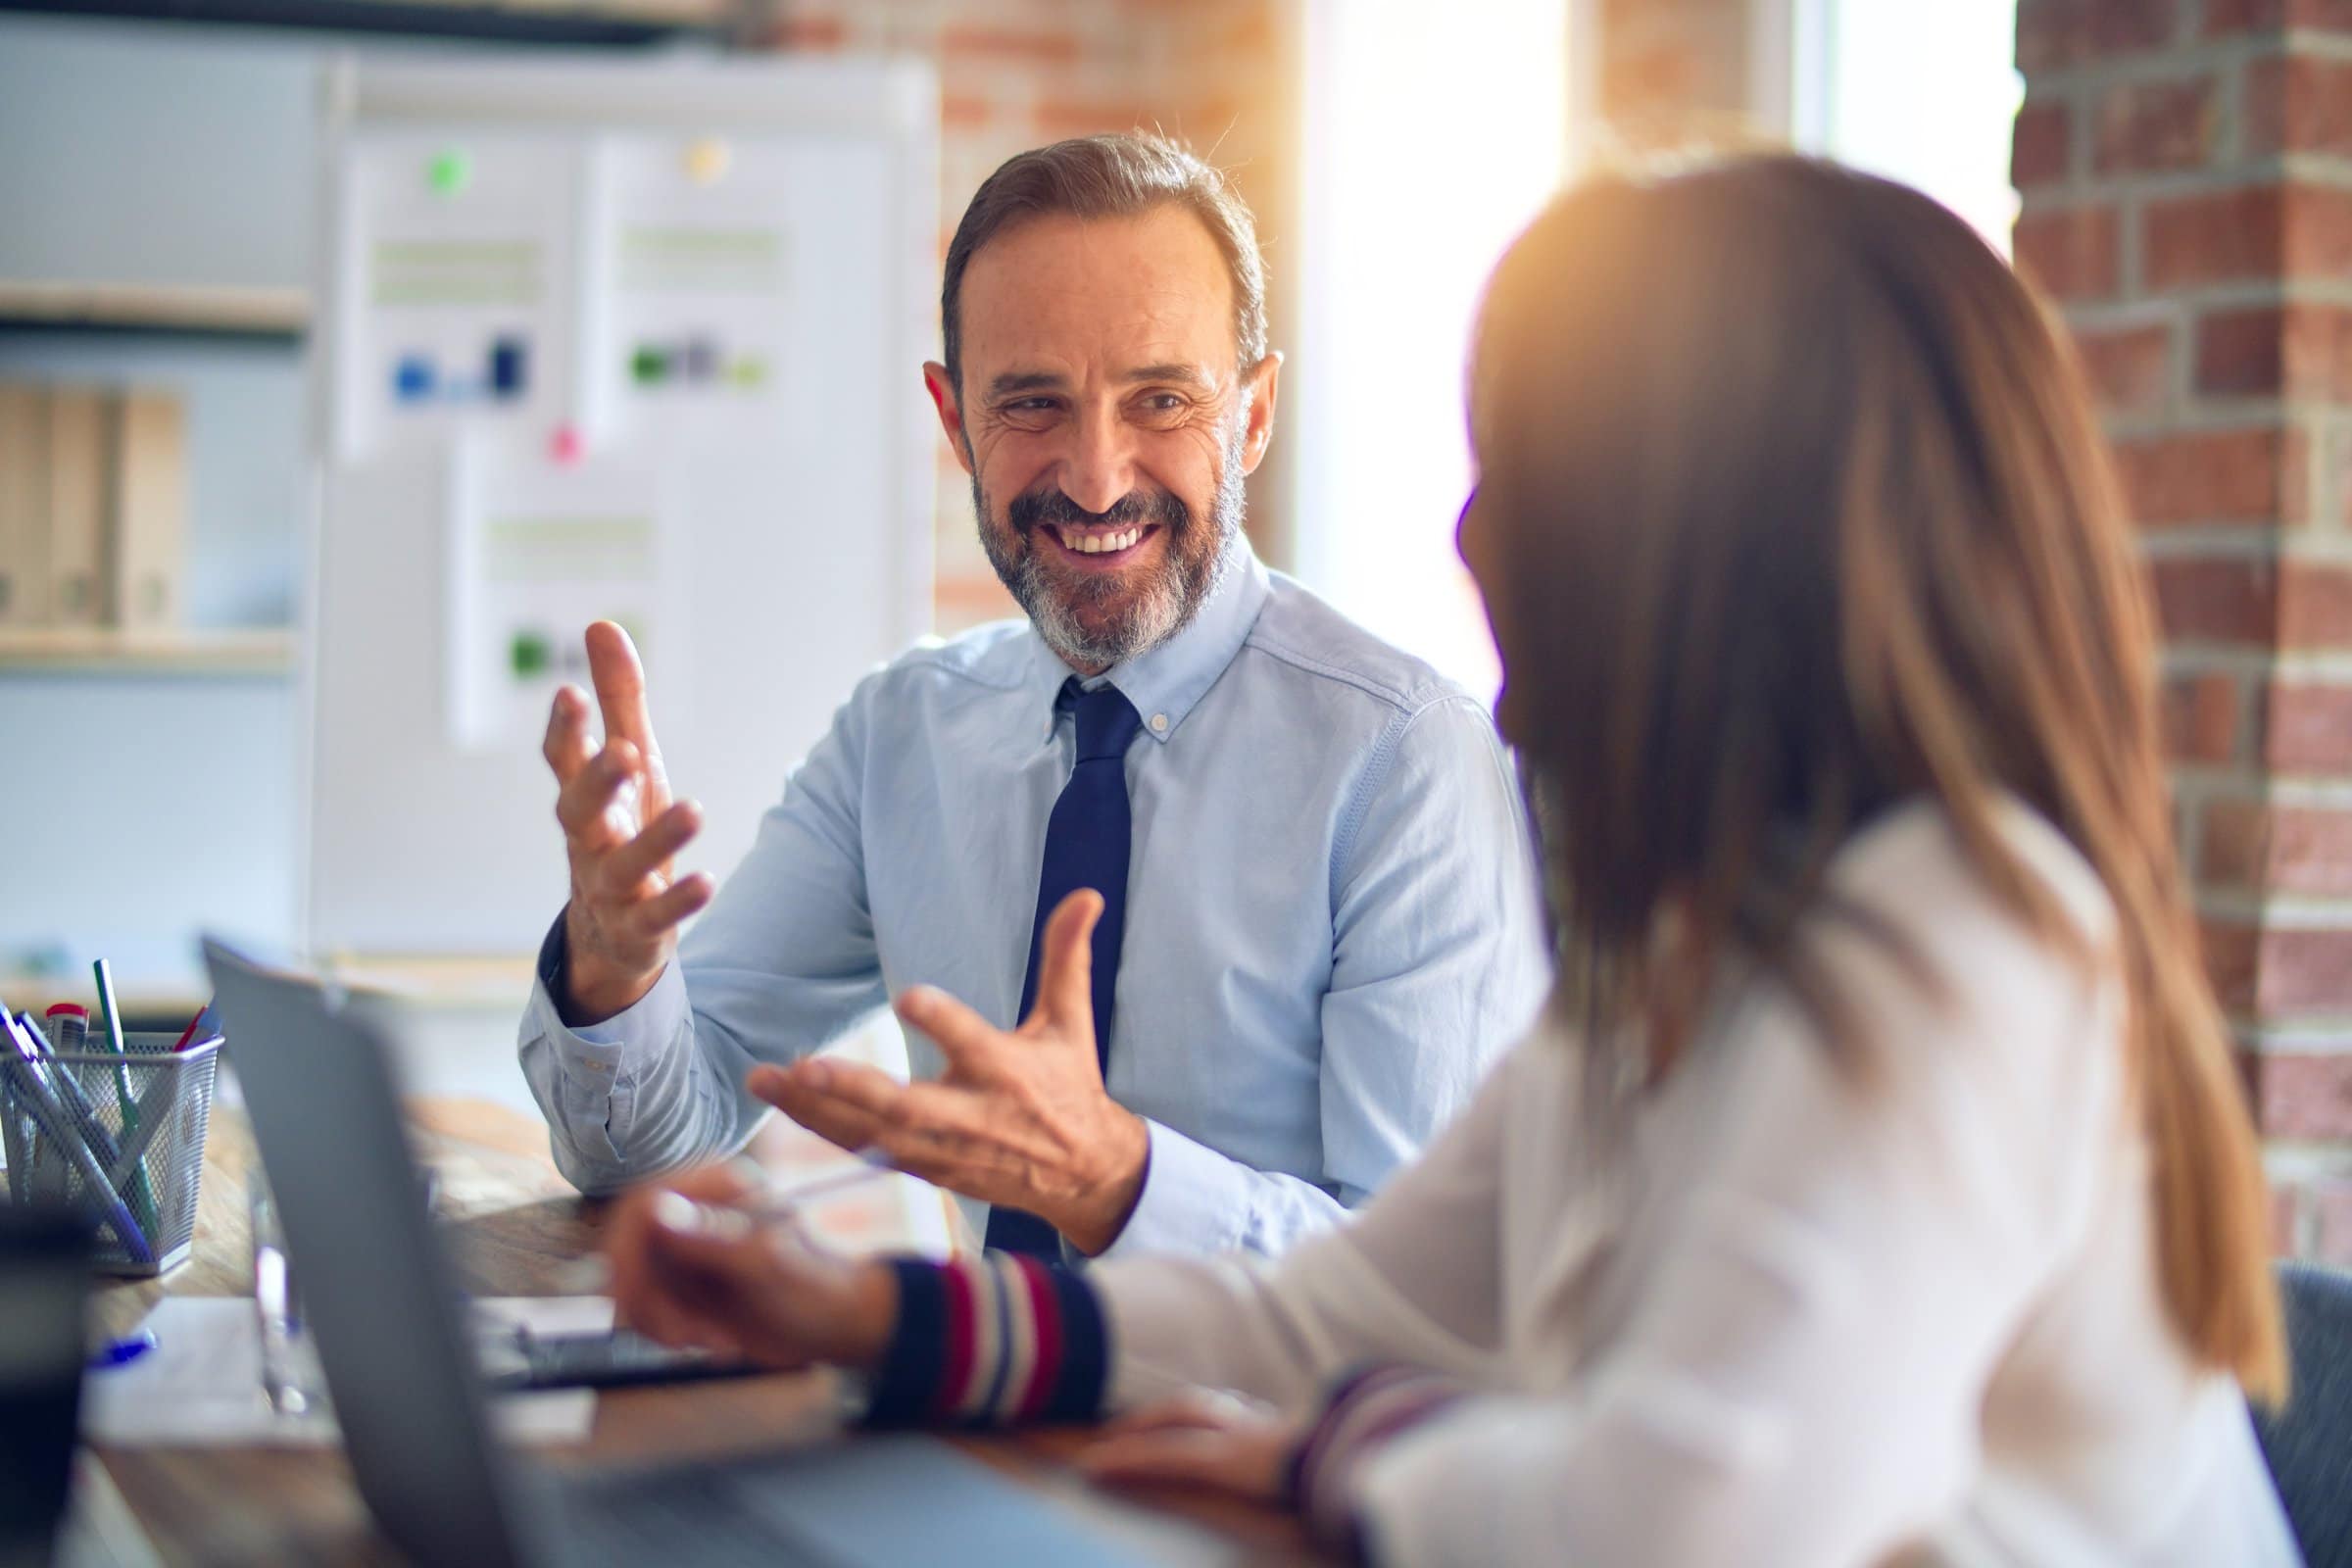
(1095, 621)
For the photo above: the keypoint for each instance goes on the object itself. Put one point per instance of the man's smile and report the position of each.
(1097, 546)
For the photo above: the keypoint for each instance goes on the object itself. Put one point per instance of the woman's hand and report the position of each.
(1199, 1440)
(691, 1267)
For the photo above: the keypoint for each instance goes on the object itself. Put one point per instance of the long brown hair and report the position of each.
(1803, 512)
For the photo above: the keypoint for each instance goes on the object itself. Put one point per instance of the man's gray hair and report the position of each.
(1112, 175)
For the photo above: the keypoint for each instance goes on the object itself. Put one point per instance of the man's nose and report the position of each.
(1100, 466)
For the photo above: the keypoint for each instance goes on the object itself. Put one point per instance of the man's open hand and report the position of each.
(620, 830)
(1019, 1118)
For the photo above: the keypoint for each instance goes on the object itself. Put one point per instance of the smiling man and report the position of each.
(1316, 918)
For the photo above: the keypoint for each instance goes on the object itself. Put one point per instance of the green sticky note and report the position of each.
(528, 654)
(450, 171)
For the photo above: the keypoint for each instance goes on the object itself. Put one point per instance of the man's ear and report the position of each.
(942, 388)
(1259, 386)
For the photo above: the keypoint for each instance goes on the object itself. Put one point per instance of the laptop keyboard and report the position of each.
(882, 1500)
(678, 1516)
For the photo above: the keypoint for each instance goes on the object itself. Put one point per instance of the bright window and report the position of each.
(1434, 134)
(1921, 93)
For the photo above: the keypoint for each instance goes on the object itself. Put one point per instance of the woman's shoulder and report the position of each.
(1959, 985)
(2004, 926)
(1915, 861)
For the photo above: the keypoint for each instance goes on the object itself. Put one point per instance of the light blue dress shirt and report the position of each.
(1331, 915)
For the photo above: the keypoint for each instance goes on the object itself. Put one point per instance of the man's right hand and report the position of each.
(620, 830)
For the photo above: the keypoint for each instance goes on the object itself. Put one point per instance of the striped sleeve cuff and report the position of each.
(997, 1339)
(1363, 1412)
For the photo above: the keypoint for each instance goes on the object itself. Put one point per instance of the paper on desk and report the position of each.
(201, 1385)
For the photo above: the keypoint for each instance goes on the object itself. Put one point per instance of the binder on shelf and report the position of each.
(77, 504)
(24, 505)
(150, 510)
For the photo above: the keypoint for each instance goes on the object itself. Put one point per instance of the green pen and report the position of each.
(142, 1195)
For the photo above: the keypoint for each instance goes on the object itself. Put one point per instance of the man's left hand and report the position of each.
(1019, 1118)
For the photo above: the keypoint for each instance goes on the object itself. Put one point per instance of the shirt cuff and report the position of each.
(585, 1079)
(1363, 1413)
(1195, 1200)
(993, 1340)
(647, 1023)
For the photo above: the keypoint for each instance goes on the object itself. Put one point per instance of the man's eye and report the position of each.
(1031, 406)
(1164, 402)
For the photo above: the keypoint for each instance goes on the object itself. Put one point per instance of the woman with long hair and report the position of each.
(1878, 1181)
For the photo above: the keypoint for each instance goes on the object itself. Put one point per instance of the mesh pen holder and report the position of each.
(117, 1140)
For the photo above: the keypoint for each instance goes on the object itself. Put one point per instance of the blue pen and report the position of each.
(70, 1094)
(37, 1093)
(122, 1353)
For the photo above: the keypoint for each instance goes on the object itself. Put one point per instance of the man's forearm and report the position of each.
(637, 1100)
(588, 989)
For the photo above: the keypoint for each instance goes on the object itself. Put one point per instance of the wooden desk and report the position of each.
(516, 1225)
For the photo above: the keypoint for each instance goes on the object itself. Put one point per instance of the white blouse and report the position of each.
(1787, 1314)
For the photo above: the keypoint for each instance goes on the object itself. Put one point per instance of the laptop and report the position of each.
(384, 1305)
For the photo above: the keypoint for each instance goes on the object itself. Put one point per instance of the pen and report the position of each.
(772, 1203)
(142, 1194)
(67, 1091)
(51, 1119)
(590, 1276)
(68, 1029)
(200, 1029)
(775, 1201)
(122, 1353)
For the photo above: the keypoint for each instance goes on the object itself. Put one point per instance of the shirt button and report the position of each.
(1160, 723)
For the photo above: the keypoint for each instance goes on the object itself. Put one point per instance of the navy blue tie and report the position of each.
(1087, 842)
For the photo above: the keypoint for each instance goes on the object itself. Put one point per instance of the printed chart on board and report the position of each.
(537, 550)
(698, 251)
(460, 308)
(602, 343)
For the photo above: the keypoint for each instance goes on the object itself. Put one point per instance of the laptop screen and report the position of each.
(377, 1289)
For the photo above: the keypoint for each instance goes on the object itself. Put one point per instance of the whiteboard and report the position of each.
(637, 340)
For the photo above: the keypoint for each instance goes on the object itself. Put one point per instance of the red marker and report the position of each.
(200, 1028)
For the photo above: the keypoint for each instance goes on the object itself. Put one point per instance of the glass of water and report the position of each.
(291, 1378)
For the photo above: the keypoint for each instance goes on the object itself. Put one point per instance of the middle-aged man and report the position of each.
(1317, 920)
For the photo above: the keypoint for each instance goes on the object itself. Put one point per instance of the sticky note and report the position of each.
(706, 161)
(450, 171)
(528, 654)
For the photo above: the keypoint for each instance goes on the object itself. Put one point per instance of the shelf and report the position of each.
(105, 651)
(434, 981)
(608, 23)
(269, 312)
(146, 1000)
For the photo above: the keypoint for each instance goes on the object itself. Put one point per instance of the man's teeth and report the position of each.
(1097, 544)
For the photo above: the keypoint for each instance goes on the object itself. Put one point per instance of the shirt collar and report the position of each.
(1165, 681)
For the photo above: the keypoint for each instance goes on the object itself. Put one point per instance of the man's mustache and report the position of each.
(1027, 511)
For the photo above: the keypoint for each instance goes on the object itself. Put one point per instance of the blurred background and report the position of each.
(2177, 175)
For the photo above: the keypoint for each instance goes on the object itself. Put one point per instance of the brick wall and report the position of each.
(1672, 73)
(1017, 73)
(2186, 171)
(2185, 168)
